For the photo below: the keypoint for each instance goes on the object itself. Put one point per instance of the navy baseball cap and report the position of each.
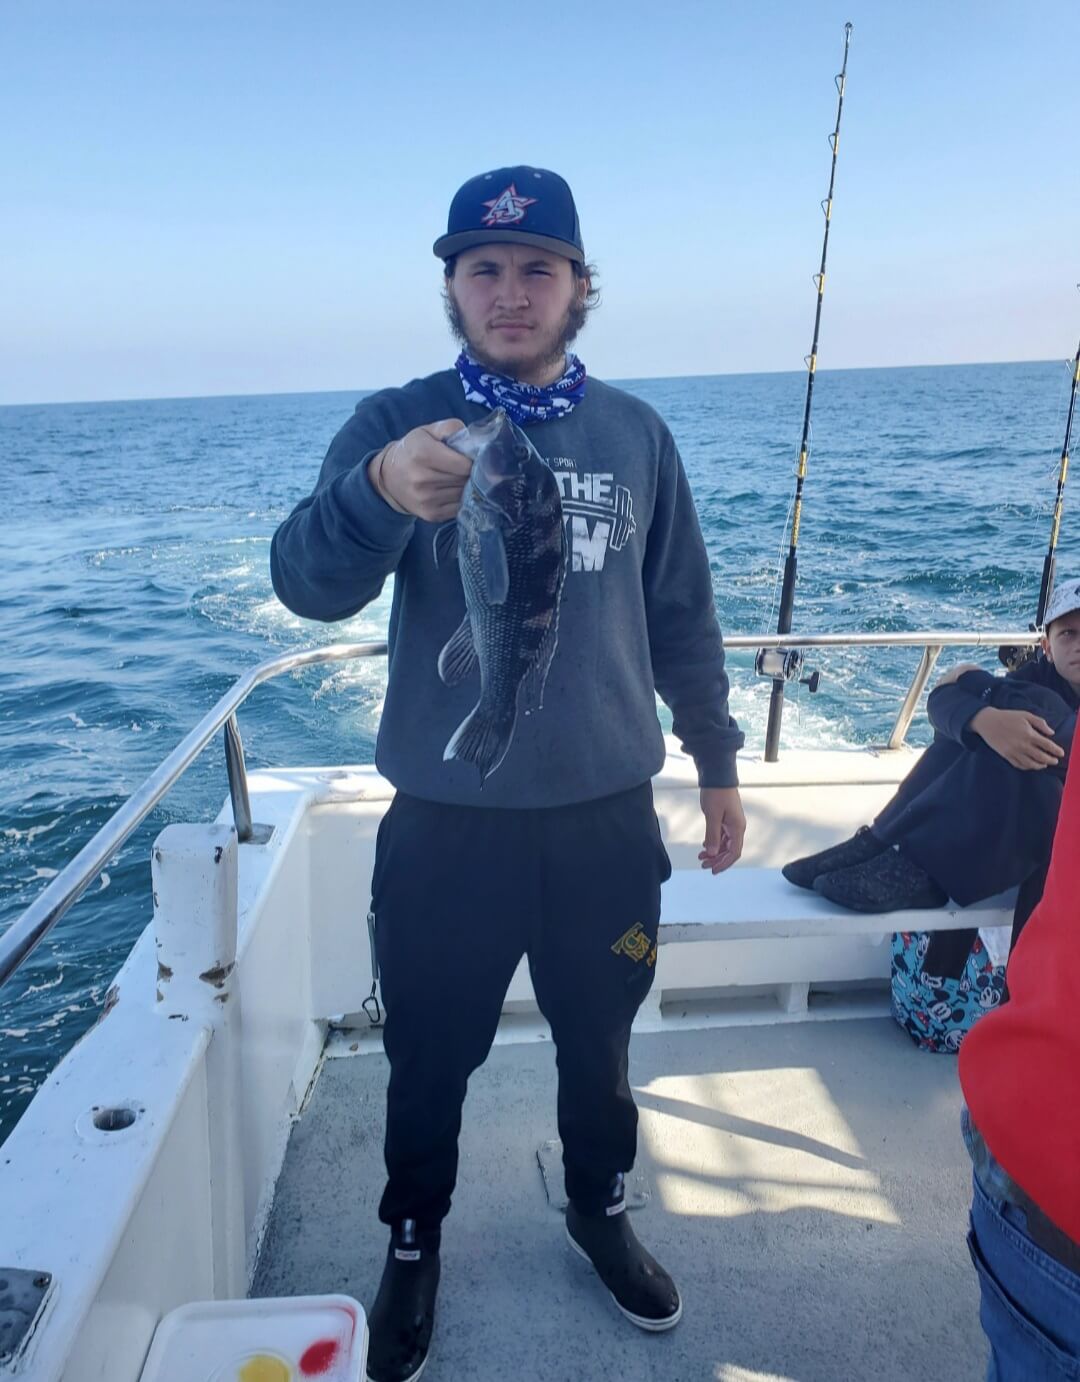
(515, 206)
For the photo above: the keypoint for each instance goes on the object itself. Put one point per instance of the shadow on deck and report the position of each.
(809, 1194)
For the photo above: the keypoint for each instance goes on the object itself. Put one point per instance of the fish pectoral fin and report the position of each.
(444, 544)
(458, 658)
(493, 566)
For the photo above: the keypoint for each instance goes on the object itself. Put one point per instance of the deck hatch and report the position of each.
(22, 1294)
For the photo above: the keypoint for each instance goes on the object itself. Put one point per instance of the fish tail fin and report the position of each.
(483, 738)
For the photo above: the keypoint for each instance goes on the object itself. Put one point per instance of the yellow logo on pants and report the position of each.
(636, 944)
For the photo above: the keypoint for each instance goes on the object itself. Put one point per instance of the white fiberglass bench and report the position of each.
(759, 904)
(758, 946)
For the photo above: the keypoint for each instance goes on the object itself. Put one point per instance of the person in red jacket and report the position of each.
(1020, 1073)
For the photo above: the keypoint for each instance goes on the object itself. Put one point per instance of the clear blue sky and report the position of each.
(237, 197)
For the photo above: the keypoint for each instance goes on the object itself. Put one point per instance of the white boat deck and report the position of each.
(809, 1192)
(809, 1186)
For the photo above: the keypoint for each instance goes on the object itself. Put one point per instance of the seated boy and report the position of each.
(977, 813)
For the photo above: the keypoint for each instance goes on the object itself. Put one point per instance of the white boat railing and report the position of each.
(68, 886)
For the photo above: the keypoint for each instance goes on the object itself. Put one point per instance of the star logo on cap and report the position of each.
(508, 208)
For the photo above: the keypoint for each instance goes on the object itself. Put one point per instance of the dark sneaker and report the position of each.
(401, 1320)
(887, 883)
(638, 1284)
(863, 845)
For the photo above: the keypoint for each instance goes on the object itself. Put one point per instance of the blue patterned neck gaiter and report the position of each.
(523, 403)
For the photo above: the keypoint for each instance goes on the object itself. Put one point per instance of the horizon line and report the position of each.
(625, 379)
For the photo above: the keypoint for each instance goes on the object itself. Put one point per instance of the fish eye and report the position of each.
(520, 450)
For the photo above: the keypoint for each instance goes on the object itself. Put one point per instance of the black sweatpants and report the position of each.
(459, 895)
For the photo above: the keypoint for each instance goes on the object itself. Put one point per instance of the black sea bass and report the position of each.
(511, 551)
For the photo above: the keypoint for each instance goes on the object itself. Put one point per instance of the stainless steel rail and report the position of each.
(69, 885)
(933, 638)
(931, 642)
(930, 655)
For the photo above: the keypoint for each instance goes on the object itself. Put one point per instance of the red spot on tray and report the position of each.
(319, 1357)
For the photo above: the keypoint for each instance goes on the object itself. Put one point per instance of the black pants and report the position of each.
(459, 895)
(976, 824)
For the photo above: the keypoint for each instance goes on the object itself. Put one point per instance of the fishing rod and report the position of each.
(790, 666)
(1055, 528)
(1012, 657)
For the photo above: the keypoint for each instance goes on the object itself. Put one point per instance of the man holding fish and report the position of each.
(550, 579)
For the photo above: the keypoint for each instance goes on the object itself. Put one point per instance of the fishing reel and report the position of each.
(784, 664)
(1012, 657)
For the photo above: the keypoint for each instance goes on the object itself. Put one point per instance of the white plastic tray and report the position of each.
(281, 1339)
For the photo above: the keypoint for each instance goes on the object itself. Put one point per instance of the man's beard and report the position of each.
(567, 333)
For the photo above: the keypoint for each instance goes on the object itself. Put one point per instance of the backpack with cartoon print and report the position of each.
(942, 984)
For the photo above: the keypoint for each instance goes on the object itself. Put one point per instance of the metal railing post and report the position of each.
(238, 784)
(930, 655)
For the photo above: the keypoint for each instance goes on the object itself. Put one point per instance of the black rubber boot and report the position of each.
(402, 1318)
(638, 1284)
(887, 883)
(863, 845)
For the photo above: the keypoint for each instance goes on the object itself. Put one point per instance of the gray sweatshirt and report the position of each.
(637, 608)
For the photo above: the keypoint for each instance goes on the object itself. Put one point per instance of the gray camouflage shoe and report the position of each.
(863, 845)
(888, 882)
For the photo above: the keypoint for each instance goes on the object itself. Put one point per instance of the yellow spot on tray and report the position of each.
(262, 1368)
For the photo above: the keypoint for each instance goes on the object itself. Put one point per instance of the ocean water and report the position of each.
(134, 588)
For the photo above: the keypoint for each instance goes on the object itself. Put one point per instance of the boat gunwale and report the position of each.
(63, 891)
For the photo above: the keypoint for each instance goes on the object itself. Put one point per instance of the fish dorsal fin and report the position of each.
(493, 565)
(444, 545)
(457, 659)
